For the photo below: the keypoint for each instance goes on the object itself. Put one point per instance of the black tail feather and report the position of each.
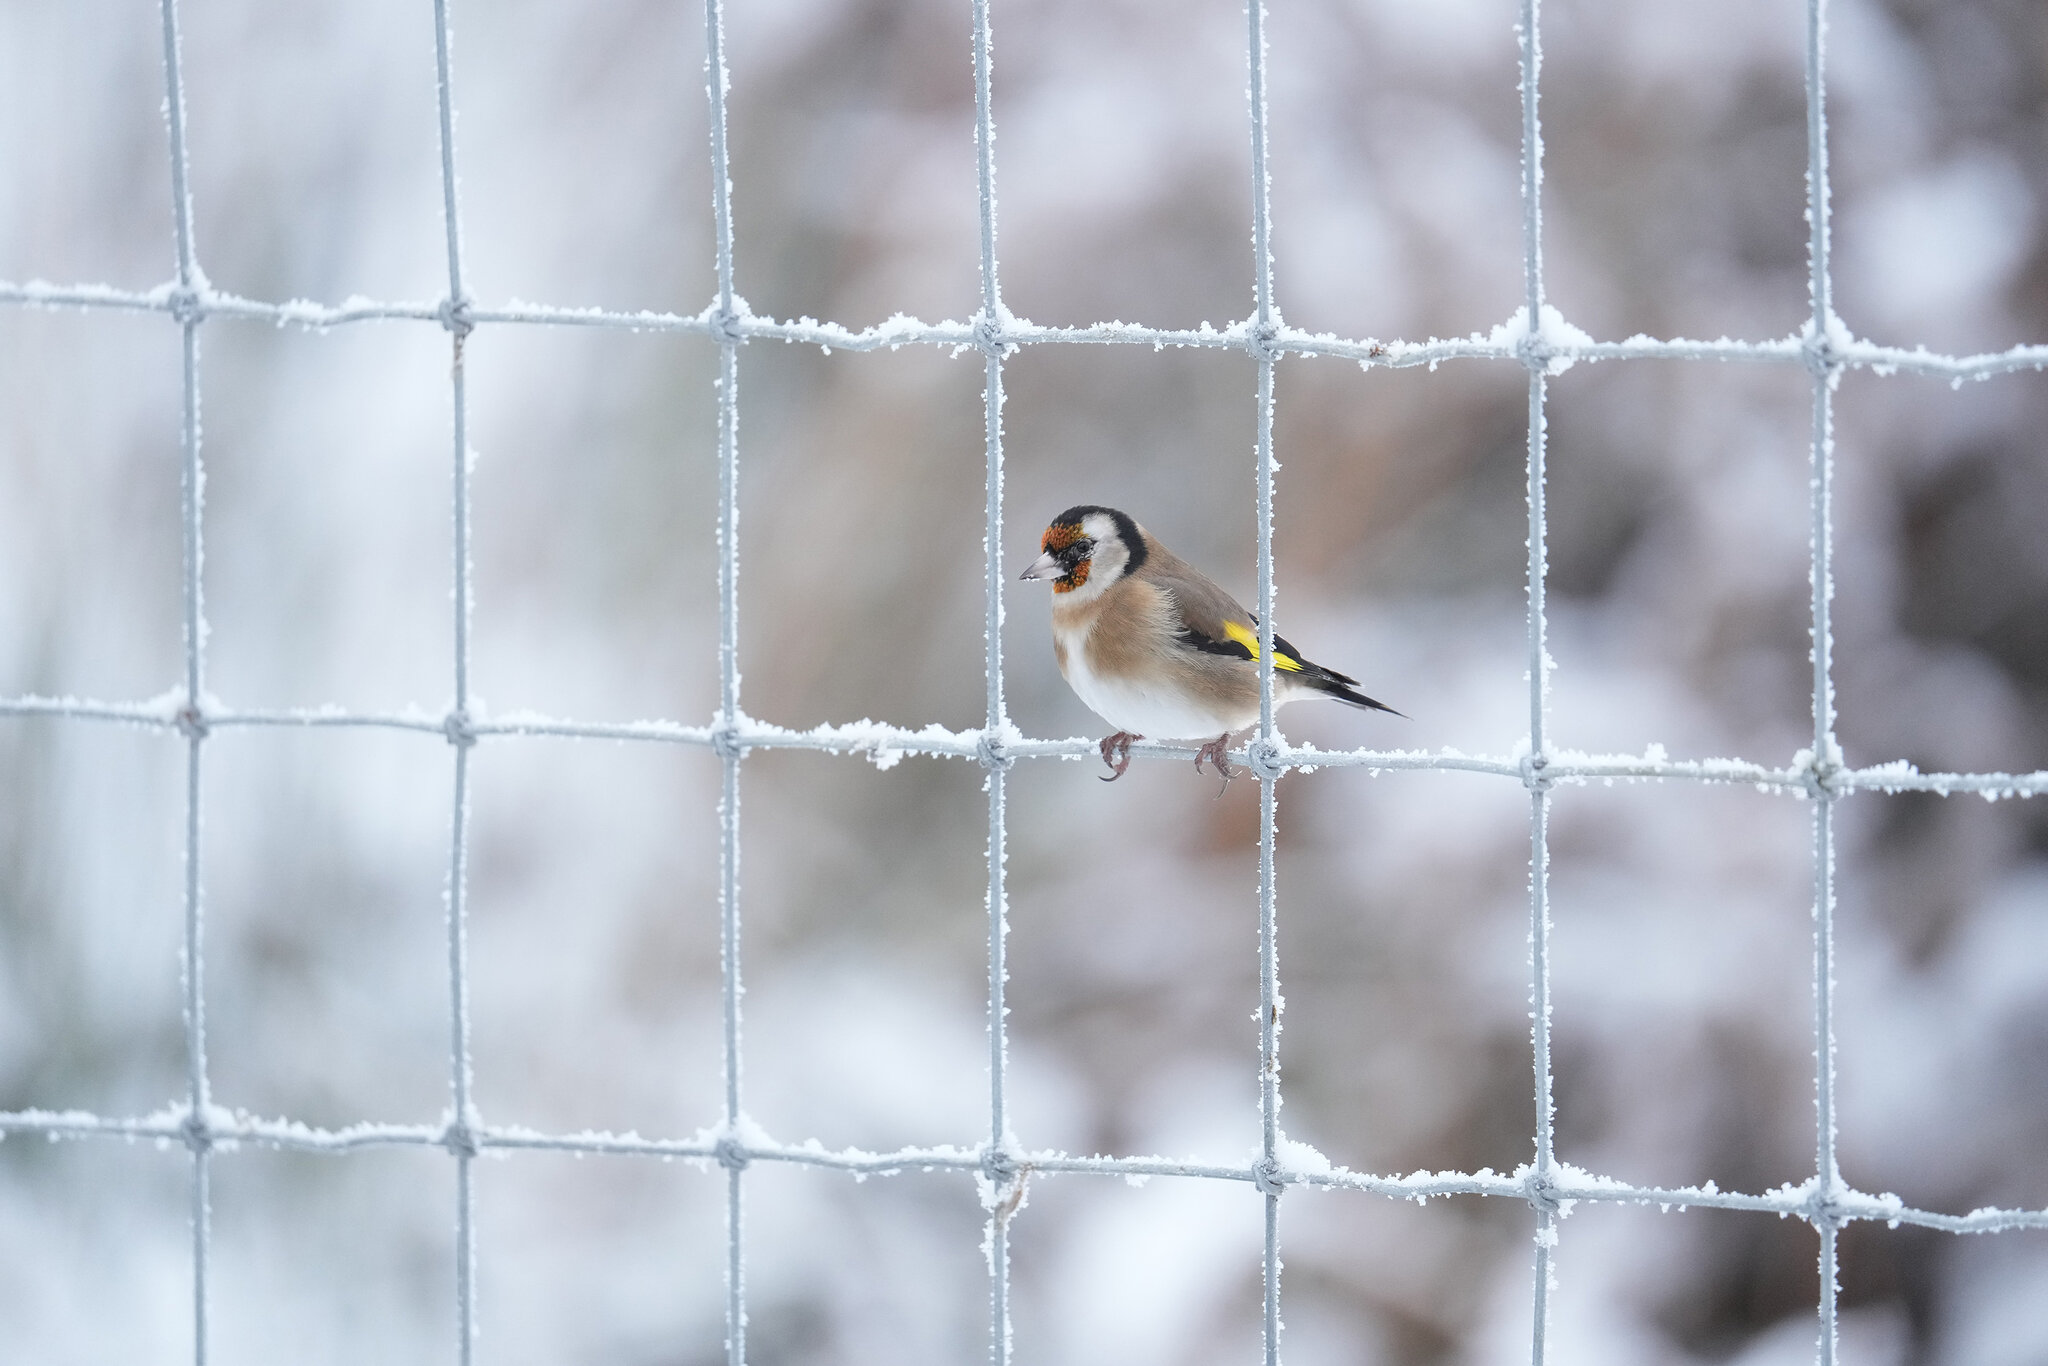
(1346, 690)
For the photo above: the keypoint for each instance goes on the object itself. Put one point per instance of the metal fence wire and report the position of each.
(1536, 338)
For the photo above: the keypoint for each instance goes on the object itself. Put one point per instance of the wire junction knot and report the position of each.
(1535, 352)
(458, 728)
(992, 752)
(1823, 1209)
(1818, 349)
(1535, 773)
(999, 1165)
(988, 335)
(1268, 1176)
(728, 328)
(725, 742)
(1540, 1189)
(192, 722)
(731, 1153)
(454, 316)
(198, 1136)
(1822, 777)
(460, 1139)
(1265, 757)
(187, 306)
(1262, 339)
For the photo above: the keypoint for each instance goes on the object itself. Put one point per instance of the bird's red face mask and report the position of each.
(1066, 559)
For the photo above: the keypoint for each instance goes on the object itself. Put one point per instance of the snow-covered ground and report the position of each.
(1675, 156)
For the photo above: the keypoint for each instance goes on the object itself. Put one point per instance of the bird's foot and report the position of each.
(1119, 745)
(1217, 752)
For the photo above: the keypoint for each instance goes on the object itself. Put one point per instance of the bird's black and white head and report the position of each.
(1087, 549)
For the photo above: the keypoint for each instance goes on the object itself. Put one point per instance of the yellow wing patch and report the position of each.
(1247, 637)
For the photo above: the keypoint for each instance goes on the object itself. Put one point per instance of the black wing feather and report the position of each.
(1342, 687)
(1209, 645)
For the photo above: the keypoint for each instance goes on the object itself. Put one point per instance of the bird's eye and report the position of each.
(1078, 551)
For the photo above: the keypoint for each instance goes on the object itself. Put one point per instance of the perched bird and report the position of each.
(1154, 647)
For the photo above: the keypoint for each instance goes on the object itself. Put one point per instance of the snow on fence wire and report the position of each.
(1536, 337)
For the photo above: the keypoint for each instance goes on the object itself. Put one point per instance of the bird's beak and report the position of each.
(1044, 567)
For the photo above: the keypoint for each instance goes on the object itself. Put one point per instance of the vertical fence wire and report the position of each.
(1263, 330)
(999, 1168)
(730, 750)
(1536, 356)
(462, 1128)
(732, 1150)
(1824, 367)
(192, 499)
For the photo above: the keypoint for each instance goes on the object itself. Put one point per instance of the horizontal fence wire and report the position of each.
(885, 745)
(1536, 338)
(230, 1130)
(1564, 345)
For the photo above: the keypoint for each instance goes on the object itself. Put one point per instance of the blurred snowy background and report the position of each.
(1675, 136)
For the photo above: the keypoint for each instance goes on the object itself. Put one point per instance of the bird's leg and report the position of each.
(1217, 753)
(1118, 744)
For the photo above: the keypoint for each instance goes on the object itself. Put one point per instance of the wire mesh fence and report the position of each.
(1537, 338)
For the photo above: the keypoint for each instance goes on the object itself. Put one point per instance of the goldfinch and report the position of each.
(1155, 647)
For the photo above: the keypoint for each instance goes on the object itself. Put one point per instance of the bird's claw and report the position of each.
(1217, 752)
(1119, 745)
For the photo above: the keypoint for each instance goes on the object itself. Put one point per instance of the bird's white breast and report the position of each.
(1151, 707)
